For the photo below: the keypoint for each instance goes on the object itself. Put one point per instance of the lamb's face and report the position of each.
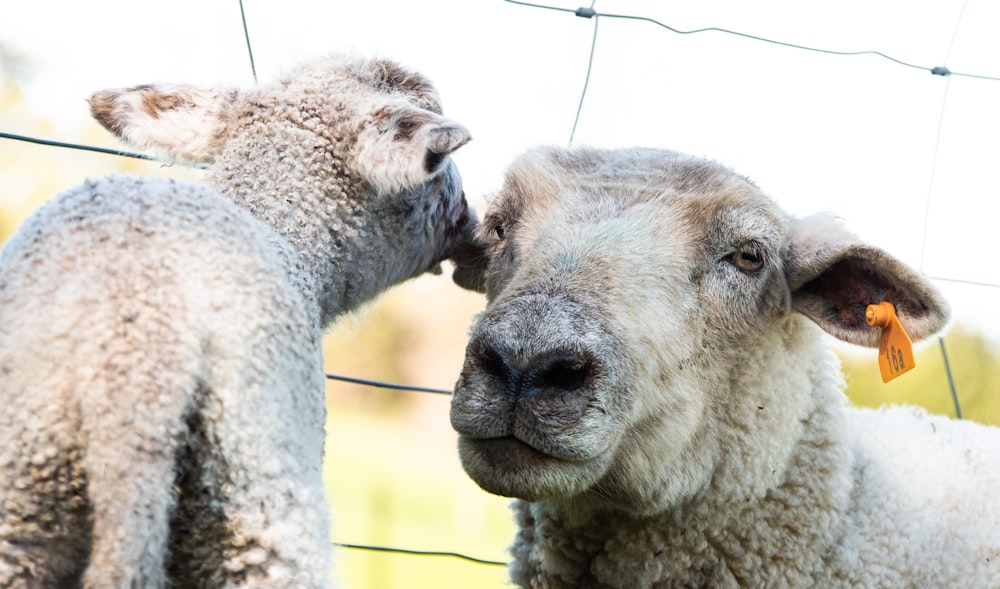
(382, 151)
(349, 158)
(620, 286)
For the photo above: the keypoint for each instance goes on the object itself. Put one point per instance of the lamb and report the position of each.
(650, 381)
(162, 394)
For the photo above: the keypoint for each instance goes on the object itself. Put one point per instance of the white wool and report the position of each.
(162, 396)
(650, 380)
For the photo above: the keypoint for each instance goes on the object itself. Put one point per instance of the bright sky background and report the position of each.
(851, 135)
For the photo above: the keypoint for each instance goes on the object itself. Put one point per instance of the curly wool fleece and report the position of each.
(162, 393)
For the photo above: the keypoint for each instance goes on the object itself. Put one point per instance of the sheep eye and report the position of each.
(747, 258)
(499, 231)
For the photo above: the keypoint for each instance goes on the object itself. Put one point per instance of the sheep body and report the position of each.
(849, 516)
(164, 325)
(163, 401)
(650, 381)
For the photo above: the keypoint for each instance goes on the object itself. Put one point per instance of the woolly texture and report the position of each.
(650, 381)
(162, 391)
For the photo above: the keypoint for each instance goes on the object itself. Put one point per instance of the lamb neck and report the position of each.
(317, 226)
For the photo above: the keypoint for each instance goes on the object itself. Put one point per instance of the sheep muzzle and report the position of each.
(532, 403)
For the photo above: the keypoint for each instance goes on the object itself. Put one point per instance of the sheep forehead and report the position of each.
(355, 78)
(333, 97)
(668, 192)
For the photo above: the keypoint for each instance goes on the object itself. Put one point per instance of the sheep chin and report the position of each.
(509, 467)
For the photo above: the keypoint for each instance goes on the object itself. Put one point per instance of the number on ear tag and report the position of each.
(895, 351)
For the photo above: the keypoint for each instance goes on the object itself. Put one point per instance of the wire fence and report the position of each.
(335, 377)
(941, 70)
(385, 385)
(51, 143)
(590, 13)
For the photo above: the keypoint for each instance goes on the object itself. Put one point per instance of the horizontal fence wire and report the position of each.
(104, 150)
(406, 551)
(591, 13)
(51, 143)
(969, 282)
(95, 149)
(386, 385)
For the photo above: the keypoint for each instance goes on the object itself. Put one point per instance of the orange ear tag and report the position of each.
(895, 350)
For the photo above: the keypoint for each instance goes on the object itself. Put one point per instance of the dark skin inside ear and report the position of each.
(838, 297)
(850, 285)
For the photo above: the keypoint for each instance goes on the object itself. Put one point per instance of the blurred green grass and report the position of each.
(390, 485)
(392, 469)
(975, 365)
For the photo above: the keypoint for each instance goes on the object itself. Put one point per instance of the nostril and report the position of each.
(525, 374)
(492, 363)
(563, 371)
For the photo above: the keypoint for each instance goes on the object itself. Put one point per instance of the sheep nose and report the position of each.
(545, 373)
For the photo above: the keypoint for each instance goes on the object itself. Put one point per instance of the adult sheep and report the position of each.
(161, 380)
(650, 380)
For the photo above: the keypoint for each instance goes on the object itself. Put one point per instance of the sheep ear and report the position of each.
(403, 146)
(177, 123)
(834, 277)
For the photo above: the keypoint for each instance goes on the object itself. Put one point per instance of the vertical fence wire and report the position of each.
(586, 13)
(246, 35)
(930, 193)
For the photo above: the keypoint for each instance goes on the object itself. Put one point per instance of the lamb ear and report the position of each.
(177, 123)
(403, 146)
(834, 277)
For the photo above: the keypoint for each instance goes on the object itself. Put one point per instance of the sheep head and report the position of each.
(347, 157)
(638, 302)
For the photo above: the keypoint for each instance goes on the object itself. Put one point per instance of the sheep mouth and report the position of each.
(507, 452)
(511, 467)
